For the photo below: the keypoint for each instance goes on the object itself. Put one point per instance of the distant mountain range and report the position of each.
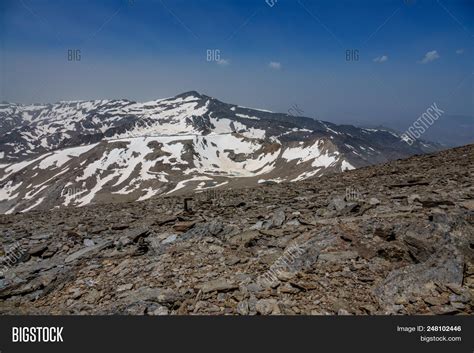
(82, 152)
(449, 130)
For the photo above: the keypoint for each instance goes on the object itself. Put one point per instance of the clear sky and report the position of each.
(406, 54)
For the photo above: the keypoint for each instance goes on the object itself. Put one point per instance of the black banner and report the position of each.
(219, 334)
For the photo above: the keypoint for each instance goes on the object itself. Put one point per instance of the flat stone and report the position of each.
(245, 238)
(124, 287)
(38, 250)
(120, 226)
(267, 307)
(124, 241)
(170, 239)
(278, 218)
(88, 242)
(288, 288)
(444, 310)
(41, 236)
(183, 226)
(436, 301)
(243, 307)
(160, 310)
(374, 201)
(88, 251)
(338, 256)
(137, 233)
(337, 204)
(159, 295)
(218, 285)
(468, 205)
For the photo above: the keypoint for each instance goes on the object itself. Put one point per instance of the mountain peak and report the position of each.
(189, 94)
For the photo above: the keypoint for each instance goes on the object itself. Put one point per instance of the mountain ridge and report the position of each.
(120, 150)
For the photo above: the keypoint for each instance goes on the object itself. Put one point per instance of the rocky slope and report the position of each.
(77, 153)
(396, 238)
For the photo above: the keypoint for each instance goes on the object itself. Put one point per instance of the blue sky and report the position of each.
(410, 54)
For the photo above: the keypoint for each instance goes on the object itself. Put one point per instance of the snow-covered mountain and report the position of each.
(76, 153)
